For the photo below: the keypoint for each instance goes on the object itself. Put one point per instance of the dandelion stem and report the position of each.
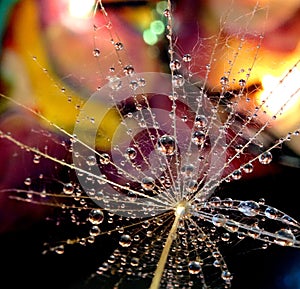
(180, 209)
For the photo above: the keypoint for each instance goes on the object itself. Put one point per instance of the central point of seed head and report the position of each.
(182, 208)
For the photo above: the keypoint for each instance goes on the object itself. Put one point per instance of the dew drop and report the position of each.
(125, 241)
(175, 65)
(27, 181)
(134, 262)
(128, 70)
(265, 158)
(201, 121)
(226, 275)
(130, 153)
(177, 80)
(249, 208)
(96, 52)
(285, 238)
(167, 13)
(60, 249)
(224, 80)
(95, 231)
(219, 220)
(187, 170)
(236, 175)
(194, 267)
(104, 159)
(115, 83)
(91, 161)
(148, 183)
(96, 216)
(198, 138)
(187, 58)
(166, 145)
(271, 213)
(68, 189)
(242, 82)
(119, 46)
(36, 159)
(248, 168)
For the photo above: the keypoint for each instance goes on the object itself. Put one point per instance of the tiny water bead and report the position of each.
(96, 52)
(68, 189)
(131, 153)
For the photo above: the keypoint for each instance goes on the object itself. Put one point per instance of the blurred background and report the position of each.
(49, 63)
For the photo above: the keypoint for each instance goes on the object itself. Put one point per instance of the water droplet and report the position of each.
(95, 231)
(60, 249)
(104, 159)
(194, 267)
(198, 138)
(178, 80)
(96, 216)
(219, 220)
(187, 58)
(201, 121)
(27, 181)
(128, 70)
(119, 46)
(226, 275)
(271, 213)
(96, 52)
(91, 160)
(166, 145)
(249, 208)
(265, 158)
(187, 170)
(134, 261)
(191, 186)
(68, 189)
(125, 241)
(130, 153)
(148, 183)
(285, 237)
(175, 65)
(242, 82)
(115, 83)
(236, 175)
(167, 13)
(248, 168)
(224, 80)
(133, 84)
(36, 159)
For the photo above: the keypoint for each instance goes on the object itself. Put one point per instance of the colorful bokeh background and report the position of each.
(46, 58)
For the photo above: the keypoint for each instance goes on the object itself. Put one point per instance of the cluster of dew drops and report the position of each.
(141, 244)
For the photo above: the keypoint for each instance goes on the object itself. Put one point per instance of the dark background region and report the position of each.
(24, 266)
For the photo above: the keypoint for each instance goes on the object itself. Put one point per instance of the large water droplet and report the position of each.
(96, 216)
(125, 241)
(285, 237)
(194, 267)
(148, 183)
(249, 208)
(166, 145)
(68, 189)
(218, 220)
(265, 158)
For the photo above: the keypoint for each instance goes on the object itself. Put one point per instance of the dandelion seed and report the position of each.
(148, 155)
